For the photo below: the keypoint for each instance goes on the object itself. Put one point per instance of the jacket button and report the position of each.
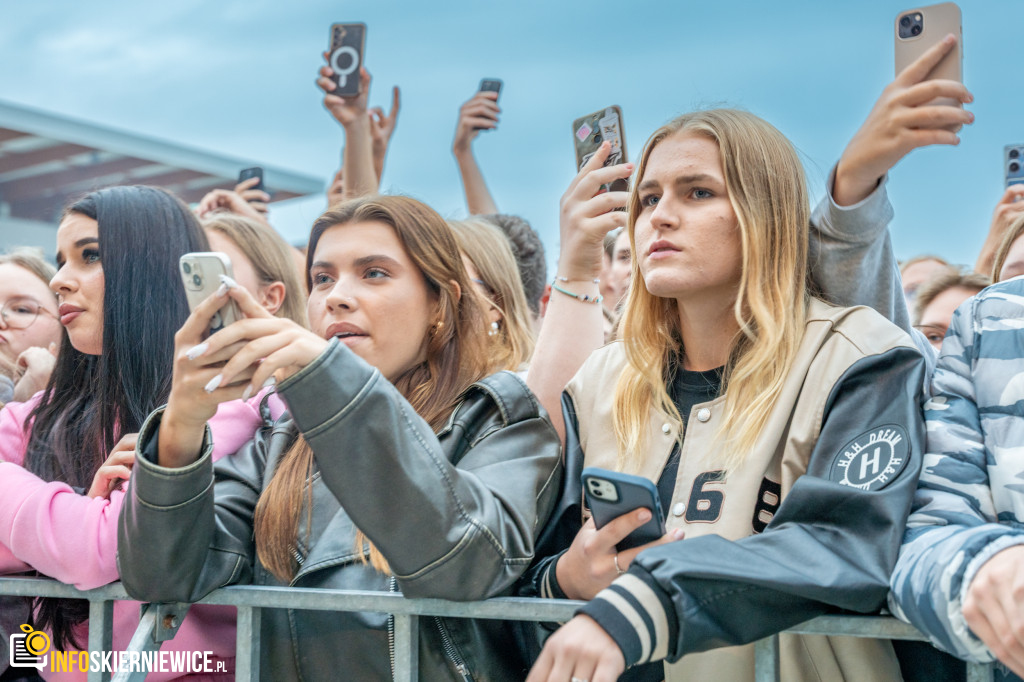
(678, 509)
(665, 428)
(703, 414)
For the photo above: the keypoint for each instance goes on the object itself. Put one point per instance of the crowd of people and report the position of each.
(407, 406)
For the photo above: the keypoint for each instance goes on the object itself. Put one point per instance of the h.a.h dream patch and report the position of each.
(871, 460)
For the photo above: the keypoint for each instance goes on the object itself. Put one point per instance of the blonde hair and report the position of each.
(271, 258)
(1015, 229)
(31, 259)
(490, 253)
(456, 357)
(951, 278)
(766, 187)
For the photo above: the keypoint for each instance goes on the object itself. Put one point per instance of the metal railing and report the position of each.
(160, 622)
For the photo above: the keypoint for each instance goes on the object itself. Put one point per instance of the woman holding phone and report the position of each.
(749, 403)
(405, 464)
(121, 300)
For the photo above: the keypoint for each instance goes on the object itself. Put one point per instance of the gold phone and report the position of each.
(917, 30)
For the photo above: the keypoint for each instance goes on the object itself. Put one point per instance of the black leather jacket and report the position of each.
(456, 515)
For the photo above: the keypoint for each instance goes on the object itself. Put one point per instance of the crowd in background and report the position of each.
(407, 405)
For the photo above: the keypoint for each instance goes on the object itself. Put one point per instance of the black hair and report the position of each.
(92, 400)
(529, 253)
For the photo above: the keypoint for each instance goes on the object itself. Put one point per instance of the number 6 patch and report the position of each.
(872, 459)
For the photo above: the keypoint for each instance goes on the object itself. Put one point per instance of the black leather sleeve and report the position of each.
(829, 546)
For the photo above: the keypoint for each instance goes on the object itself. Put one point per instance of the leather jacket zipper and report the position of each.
(392, 587)
(449, 650)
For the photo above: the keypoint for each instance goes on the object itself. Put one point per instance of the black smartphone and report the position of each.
(1013, 164)
(345, 56)
(491, 85)
(254, 172)
(610, 494)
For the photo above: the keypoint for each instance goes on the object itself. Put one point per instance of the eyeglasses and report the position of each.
(20, 313)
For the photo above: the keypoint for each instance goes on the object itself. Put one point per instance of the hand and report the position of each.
(479, 113)
(1009, 208)
(382, 128)
(347, 111)
(994, 607)
(256, 198)
(902, 120)
(588, 214)
(589, 564)
(231, 202)
(116, 469)
(580, 649)
(336, 190)
(37, 364)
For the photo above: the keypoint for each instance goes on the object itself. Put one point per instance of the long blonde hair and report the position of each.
(456, 357)
(490, 253)
(767, 190)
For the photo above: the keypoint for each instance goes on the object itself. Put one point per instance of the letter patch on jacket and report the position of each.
(872, 459)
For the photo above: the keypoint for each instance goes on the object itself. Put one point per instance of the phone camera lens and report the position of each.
(916, 30)
(597, 491)
(905, 20)
(597, 137)
(1014, 153)
(1014, 167)
(197, 280)
(188, 268)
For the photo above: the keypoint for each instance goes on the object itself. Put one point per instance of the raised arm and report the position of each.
(359, 176)
(479, 113)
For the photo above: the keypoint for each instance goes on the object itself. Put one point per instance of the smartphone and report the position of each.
(491, 85)
(346, 56)
(254, 172)
(200, 273)
(610, 494)
(1013, 164)
(919, 29)
(591, 130)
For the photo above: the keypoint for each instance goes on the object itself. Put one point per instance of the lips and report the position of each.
(662, 247)
(346, 332)
(68, 313)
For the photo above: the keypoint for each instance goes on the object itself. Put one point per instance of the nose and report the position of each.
(62, 282)
(340, 297)
(663, 217)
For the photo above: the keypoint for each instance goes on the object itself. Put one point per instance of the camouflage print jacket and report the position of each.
(970, 499)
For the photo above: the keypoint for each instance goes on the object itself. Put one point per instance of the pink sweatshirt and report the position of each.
(48, 527)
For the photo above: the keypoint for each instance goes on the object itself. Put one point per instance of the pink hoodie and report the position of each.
(49, 527)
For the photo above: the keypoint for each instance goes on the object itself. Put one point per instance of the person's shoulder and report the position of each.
(863, 327)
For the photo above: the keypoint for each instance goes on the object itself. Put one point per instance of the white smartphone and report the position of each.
(200, 273)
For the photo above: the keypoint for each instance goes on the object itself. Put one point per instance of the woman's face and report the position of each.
(687, 235)
(493, 314)
(936, 318)
(79, 282)
(245, 272)
(21, 293)
(367, 291)
(621, 268)
(1014, 263)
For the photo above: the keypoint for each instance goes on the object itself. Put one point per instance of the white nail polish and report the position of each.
(214, 383)
(227, 281)
(247, 393)
(269, 382)
(222, 290)
(195, 351)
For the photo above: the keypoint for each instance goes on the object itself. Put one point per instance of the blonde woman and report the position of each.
(753, 406)
(492, 270)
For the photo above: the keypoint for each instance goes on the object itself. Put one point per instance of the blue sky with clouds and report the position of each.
(237, 78)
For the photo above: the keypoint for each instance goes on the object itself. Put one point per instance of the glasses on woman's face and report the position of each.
(20, 313)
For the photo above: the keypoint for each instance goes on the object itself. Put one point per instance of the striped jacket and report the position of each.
(969, 502)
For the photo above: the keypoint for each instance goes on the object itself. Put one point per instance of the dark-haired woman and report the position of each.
(406, 463)
(121, 301)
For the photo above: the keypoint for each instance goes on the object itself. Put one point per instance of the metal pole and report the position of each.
(980, 672)
(101, 638)
(766, 659)
(407, 648)
(247, 643)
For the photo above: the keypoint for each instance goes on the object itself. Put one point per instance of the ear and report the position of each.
(456, 290)
(272, 296)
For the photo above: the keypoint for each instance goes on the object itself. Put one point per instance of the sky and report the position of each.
(237, 78)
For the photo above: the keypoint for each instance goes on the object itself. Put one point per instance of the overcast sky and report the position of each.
(237, 78)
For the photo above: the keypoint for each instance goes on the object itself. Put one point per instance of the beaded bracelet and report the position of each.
(582, 298)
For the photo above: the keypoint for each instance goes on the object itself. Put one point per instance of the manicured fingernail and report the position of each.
(214, 383)
(247, 392)
(644, 515)
(223, 290)
(195, 351)
(679, 534)
(270, 382)
(227, 281)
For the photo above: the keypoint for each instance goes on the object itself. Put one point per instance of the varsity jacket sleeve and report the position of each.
(850, 254)
(458, 520)
(829, 546)
(956, 524)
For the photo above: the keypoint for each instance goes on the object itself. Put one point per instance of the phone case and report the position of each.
(631, 493)
(346, 56)
(200, 273)
(1013, 164)
(491, 85)
(935, 22)
(254, 172)
(591, 130)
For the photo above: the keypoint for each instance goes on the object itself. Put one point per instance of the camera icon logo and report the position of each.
(29, 648)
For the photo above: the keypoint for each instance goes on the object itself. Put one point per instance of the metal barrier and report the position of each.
(160, 622)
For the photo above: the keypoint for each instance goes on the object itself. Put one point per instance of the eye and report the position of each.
(649, 200)
(376, 273)
(699, 193)
(320, 278)
(91, 255)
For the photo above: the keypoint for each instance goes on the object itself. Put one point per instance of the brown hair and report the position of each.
(490, 253)
(456, 357)
(1015, 229)
(271, 258)
(950, 279)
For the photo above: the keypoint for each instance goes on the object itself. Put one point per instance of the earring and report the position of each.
(436, 327)
(494, 329)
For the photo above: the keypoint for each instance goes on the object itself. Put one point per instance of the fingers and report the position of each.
(1012, 194)
(191, 333)
(626, 557)
(918, 70)
(986, 618)
(128, 442)
(922, 93)
(396, 104)
(592, 183)
(616, 530)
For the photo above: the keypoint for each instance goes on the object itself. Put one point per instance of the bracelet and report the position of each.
(596, 280)
(582, 298)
